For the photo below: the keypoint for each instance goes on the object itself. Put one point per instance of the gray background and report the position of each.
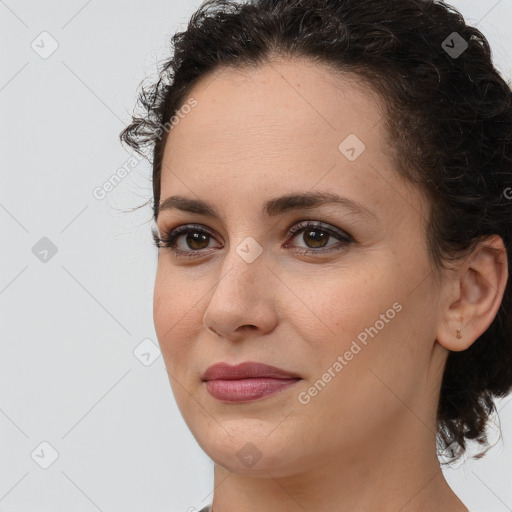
(71, 370)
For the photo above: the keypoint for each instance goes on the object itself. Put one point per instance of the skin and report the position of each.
(366, 441)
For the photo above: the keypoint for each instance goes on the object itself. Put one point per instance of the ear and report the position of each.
(473, 295)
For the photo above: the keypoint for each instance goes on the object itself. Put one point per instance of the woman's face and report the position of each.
(356, 320)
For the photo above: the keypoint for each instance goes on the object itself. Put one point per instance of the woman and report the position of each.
(332, 196)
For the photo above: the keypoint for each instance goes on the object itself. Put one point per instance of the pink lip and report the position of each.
(246, 381)
(246, 370)
(245, 390)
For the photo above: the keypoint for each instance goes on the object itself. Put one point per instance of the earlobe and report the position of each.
(475, 295)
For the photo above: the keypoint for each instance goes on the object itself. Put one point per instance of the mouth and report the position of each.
(247, 381)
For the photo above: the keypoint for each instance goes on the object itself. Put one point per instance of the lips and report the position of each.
(246, 370)
(247, 381)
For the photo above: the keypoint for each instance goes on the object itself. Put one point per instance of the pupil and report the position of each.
(317, 240)
(193, 238)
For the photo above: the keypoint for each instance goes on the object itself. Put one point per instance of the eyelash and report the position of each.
(168, 238)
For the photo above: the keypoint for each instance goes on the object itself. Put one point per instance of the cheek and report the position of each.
(176, 327)
(339, 303)
(175, 316)
(364, 318)
(364, 315)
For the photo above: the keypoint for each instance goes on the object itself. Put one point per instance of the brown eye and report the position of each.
(315, 236)
(196, 240)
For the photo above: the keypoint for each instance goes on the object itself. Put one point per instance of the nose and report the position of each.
(242, 301)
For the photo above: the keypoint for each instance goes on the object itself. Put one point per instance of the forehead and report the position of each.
(277, 128)
(274, 103)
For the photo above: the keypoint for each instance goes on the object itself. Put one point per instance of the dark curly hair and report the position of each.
(448, 118)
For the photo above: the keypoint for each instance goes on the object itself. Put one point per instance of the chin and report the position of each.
(253, 452)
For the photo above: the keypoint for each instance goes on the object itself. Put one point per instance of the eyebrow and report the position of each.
(272, 207)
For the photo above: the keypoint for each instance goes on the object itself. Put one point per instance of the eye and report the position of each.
(316, 234)
(196, 238)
